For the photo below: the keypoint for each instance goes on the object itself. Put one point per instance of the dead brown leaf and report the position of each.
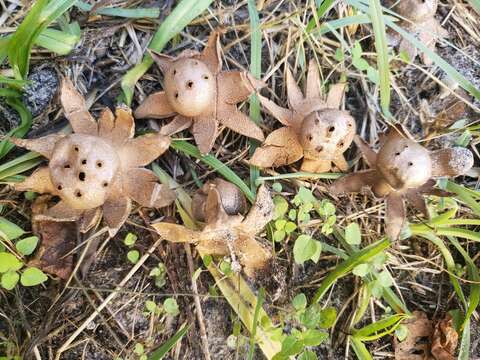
(57, 240)
(416, 345)
(427, 340)
(444, 339)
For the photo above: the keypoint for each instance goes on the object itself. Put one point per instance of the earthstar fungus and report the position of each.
(403, 170)
(99, 168)
(228, 235)
(421, 23)
(315, 129)
(200, 95)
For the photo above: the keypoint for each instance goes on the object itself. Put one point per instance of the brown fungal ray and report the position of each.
(39, 182)
(44, 146)
(76, 110)
(368, 154)
(205, 96)
(419, 19)
(417, 201)
(115, 211)
(233, 200)
(451, 162)
(60, 212)
(280, 148)
(395, 214)
(417, 10)
(261, 212)
(57, 241)
(226, 234)
(354, 182)
(314, 129)
(179, 123)
(97, 169)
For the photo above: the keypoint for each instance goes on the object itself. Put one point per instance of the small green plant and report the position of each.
(359, 62)
(159, 273)
(139, 350)
(13, 249)
(169, 307)
(132, 255)
(311, 323)
(289, 221)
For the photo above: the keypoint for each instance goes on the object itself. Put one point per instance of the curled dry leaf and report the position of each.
(228, 235)
(427, 340)
(232, 198)
(57, 241)
(201, 96)
(420, 21)
(315, 128)
(444, 339)
(98, 167)
(416, 346)
(403, 170)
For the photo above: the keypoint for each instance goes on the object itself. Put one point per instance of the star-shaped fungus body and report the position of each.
(97, 169)
(231, 235)
(200, 95)
(403, 170)
(419, 21)
(315, 129)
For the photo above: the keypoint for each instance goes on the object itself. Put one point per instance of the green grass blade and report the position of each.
(446, 231)
(253, 332)
(322, 9)
(437, 60)
(13, 82)
(3, 48)
(474, 276)
(376, 16)
(343, 22)
(476, 5)
(20, 131)
(14, 170)
(214, 163)
(169, 344)
(21, 41)
(378, 329)
(464, 348)
(464, 195)
(360, 349)
(42, 13)
(449, 262)
(256, 70)
(57, 41)
(181, 16)
(345, 267)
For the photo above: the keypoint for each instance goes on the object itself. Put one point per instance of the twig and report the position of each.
(198, 306)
